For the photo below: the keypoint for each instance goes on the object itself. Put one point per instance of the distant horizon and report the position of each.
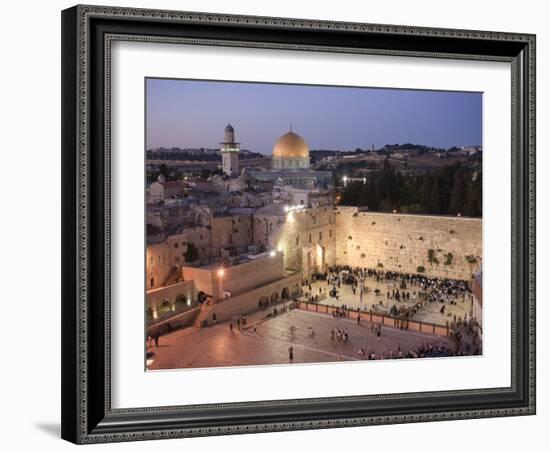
(176, 147)
(192, 114)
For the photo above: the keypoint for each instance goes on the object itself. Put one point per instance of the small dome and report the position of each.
(229, 128)
(290, 145)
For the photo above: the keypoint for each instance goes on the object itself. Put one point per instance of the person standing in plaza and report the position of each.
(290, 354)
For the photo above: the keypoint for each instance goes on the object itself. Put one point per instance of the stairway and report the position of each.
(204, 314)
(173, 277)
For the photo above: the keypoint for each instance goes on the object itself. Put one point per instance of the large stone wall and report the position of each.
(401, 242)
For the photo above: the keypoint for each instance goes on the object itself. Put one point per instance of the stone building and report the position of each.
(305, 236)
(266, 220)
(162, 189)
(290, 164)
(159, 265)
(232, 230)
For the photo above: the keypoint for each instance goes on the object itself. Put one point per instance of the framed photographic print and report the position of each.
(280, 224)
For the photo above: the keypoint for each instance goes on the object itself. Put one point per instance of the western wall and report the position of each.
(441, 246)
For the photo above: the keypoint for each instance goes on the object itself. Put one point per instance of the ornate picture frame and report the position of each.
(87, 35)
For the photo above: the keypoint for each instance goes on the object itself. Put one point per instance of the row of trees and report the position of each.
(185, 155)
(175, 174)
(453, 189)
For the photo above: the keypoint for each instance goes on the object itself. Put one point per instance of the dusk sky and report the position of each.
(193, 114)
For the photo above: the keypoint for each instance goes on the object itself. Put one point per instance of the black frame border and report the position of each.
(87, 31)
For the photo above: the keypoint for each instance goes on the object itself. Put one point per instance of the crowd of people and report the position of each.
(426, 350)
(339, 334)
(409, 293)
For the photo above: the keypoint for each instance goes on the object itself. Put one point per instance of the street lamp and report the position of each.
(272, 253)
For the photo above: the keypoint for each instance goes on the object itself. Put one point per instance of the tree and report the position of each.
(435, 198)
(426, 192)
(473, 198)
(458, 193)
(452, 189)
(163, 170)
(386, 180)
(192, 253)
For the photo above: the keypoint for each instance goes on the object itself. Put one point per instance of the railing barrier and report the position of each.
(394, 322)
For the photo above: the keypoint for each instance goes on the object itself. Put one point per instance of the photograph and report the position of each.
(285, 219)
(299, 224)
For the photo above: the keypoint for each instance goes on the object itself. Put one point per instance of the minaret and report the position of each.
(230, 152)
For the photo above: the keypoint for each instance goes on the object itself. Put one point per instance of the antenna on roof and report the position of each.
(290, 126)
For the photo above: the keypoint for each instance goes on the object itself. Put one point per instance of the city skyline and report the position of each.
(193, 114)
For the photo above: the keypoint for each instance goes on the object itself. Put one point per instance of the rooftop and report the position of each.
(274, 209)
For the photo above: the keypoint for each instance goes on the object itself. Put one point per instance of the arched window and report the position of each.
(152, 282)
(164, 307)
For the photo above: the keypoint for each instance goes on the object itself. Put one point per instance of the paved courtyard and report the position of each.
(219, 346)
(430, 313)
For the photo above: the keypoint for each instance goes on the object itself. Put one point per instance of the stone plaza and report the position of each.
(221, 346)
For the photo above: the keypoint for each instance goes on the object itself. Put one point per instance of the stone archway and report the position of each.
(181, 302)
(263, 301)
(285, 293)
(274, 297)
(164, 307)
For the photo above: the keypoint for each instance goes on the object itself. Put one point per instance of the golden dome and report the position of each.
(290, 145)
